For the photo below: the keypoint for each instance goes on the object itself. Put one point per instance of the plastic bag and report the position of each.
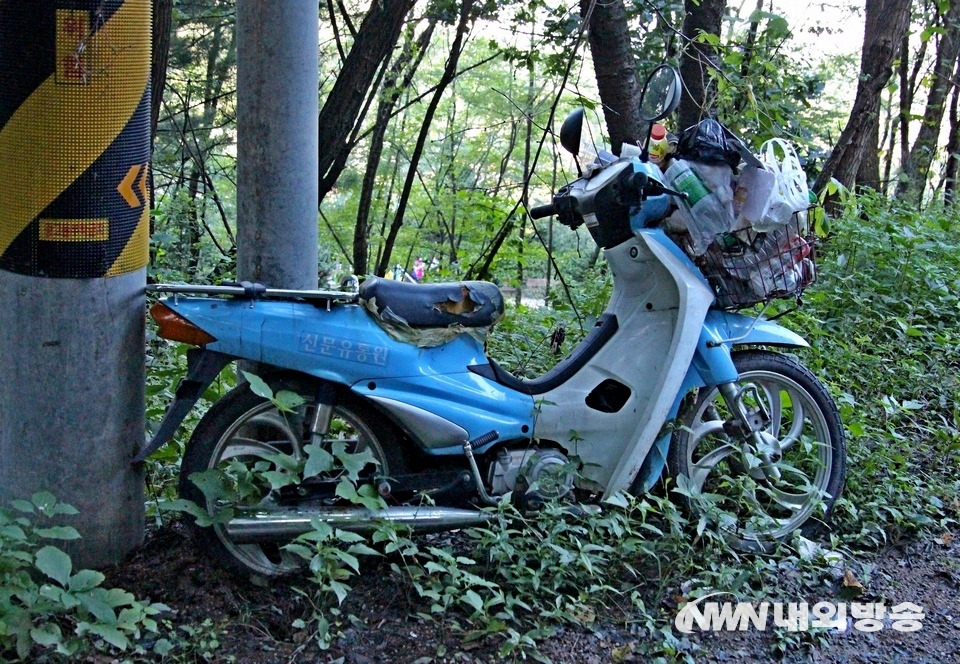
(753, 195)
(709, 142)
(790, 193)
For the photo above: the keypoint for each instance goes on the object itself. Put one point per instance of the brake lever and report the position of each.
(656, 188)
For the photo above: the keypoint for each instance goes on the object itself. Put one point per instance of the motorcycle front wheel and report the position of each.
(238, 435)
(758, 489)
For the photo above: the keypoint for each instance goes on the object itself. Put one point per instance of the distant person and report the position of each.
(418, 269)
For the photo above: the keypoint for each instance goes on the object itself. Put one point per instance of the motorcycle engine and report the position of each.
(545, 472)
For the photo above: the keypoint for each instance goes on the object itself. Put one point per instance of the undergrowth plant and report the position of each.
(47, 606)
(883, 320)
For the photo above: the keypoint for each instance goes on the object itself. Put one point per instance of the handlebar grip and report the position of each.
(542, 211)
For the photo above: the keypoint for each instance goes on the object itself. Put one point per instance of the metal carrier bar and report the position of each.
(254, 291)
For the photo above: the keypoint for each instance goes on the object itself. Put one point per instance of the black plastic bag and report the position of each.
(710, 142)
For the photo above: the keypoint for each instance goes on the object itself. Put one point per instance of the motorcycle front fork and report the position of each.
(749, 423)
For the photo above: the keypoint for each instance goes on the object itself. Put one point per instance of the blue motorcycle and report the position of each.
(670, 377)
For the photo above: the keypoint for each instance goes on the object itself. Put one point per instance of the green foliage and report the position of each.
(44, 604)
(883, 321)
(166, 365)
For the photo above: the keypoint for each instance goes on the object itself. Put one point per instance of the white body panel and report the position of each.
(660, 308)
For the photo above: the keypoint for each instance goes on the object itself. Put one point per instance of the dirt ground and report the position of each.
(251, 623)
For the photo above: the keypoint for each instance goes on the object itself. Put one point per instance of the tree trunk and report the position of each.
(886, 23)
(616, 71)
(698, 59)
(162, 25)
(404, 66)
(868, 172)
(913, 176)
(160, 51)
(953, 147)
(376, 38)
(449, 73)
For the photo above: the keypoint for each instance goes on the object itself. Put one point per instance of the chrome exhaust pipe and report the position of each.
(251, 526)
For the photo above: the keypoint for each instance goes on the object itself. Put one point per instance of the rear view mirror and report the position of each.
(570, 132)
(661, 94)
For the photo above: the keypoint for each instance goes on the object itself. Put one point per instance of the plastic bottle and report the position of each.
(703, 213)
(659, 145)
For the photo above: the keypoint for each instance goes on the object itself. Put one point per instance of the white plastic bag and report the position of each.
(753, 195)
(791, 193)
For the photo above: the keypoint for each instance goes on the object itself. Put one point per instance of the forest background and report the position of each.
(436, 126)
(433, 142)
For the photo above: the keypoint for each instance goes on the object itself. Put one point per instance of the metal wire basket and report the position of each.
(747, 268)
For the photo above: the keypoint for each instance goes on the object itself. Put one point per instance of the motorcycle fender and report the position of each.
(723, 330)
(203, 366)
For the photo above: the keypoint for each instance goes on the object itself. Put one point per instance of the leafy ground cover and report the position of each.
(882, 320)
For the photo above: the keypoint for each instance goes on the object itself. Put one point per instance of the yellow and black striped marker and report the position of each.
(74, 137)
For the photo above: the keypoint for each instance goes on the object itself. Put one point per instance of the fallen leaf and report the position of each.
(850, 581)
(946, 538)
(621, 653)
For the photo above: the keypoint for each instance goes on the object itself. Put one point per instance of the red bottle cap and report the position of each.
(658, 132)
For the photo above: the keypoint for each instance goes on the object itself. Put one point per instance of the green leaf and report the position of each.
(45, 502)
(473, 599)
(287, 401)
(354, 463)
(321, 532)
(778, 27)
(707, 38)
(361, 549)
(54, 563)
(318, 461)
(258, 386)
(278, 479)
(85, 579)
(46, 635)
(97, 603)
(340, 589)
(347, 537)
(347, 491)
(14, 533)
(58, 532)
(111, 635)
(281, 460)
(203, 518)
(22, 506)
(304, 552)
(211, 483)
(370, 499)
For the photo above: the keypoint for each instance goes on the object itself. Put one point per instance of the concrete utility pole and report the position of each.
(277, 142)
(74, 220)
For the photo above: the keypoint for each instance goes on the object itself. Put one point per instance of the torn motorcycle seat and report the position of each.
(465, 303)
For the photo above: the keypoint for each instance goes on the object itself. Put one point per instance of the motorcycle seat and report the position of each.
(464, 303)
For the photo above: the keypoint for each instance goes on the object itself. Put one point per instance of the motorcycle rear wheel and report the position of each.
(238, 430)
(756, 503)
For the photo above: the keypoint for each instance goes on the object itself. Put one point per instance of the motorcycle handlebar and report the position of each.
(542, 211)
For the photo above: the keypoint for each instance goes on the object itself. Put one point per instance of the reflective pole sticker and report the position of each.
(74, 230)
(75, 137)
(73, 56)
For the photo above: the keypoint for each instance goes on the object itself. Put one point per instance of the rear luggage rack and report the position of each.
(252, 291)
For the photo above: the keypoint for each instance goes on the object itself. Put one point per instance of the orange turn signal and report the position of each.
(175, 327)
